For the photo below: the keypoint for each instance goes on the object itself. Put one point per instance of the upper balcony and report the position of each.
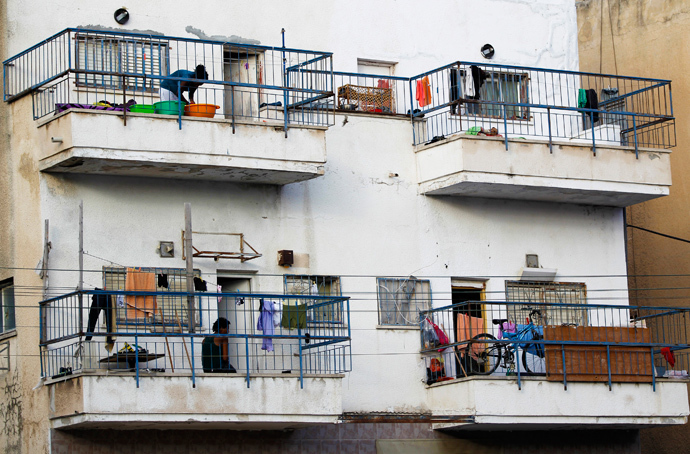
(538, 365)
(267, 122)
(130, 359)
(546, 135)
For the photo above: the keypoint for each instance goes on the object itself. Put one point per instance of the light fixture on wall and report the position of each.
(121, 16)
(487, 51)
(166, 249)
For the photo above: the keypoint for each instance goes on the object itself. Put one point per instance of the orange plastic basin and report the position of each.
(201, 110)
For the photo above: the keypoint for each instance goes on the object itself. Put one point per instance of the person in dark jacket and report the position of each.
(169, 92)
(214, 350)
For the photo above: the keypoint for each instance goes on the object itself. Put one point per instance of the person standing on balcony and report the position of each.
(214, 350)
(168, 90)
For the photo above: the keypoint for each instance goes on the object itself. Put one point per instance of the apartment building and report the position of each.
(377, 228)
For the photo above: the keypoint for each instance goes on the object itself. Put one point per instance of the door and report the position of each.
(238, 311)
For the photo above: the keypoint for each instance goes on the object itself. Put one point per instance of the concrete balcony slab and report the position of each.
(471, 166)
(204, 149)
(276, 402)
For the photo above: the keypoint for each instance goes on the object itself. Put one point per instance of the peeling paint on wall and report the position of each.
(120, 29)
(11, 414)
(226, 39)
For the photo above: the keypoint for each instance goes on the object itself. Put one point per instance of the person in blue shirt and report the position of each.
(168, 89)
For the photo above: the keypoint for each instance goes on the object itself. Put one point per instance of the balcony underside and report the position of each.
(217, 402)
(482, 167)
(497, 404)
(206, 149)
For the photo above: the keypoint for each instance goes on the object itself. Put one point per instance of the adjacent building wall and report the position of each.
(650, 39)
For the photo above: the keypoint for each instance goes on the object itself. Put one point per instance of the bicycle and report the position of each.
(483, 357)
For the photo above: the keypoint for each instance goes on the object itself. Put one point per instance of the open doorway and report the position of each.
(238, 311)
(469, 320)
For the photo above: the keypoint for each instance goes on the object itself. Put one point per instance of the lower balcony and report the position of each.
(150, 145)
(169, 360)
(570, 172)
(111, 400)
(534, 366)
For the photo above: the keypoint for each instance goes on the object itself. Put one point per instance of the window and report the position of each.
(325, 312)
(7, 305)
(401, 300)
(173, 308)
(549, 293)
(497, 87)
(118, 55)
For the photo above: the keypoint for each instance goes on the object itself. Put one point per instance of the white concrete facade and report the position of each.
(349, 200)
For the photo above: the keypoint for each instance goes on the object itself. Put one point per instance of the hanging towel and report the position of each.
(469, 85)
(277, 313)
(265, 324)
(468, 327)
(419, 96)
(668, 355)
(581, 98)
(295, 316)
(427, 90)
(140, 281)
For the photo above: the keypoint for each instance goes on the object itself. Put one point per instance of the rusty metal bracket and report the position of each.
(242, 256)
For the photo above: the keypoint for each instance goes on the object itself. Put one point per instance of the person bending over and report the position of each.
(214, 350)
(168, 90)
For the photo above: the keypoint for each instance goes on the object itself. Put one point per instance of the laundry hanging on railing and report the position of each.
(423, 95)
(265, 323)
(140, 281)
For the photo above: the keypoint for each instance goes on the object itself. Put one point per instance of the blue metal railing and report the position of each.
(557, 341)
(77, 68)
(537, 103)
(80, 67)
(149, 331)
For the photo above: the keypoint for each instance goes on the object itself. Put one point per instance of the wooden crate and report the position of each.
(588, 363)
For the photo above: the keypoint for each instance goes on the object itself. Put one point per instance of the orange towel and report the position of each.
(140, 306)
(427, 91)
(468, 327)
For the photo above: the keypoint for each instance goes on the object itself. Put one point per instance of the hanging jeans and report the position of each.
(100, 303)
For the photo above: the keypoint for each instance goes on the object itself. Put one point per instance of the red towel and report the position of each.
(668, 354)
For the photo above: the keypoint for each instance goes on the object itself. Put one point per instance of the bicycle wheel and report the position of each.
(482, 358)
(534, 364)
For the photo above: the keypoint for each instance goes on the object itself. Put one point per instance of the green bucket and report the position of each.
(143, 108)
(169, 107)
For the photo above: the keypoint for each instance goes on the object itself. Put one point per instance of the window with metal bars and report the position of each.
(401, 300)
(323, 312)
(498, 87)
(112, 57)
(569, 294)
(7, 305)
(170, 310)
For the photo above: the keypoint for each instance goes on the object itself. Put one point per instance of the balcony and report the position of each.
(88, 90)
(539, 365)
(535, 134)
(132, 359)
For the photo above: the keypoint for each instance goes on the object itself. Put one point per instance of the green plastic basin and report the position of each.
(168, 107)
(143, 108)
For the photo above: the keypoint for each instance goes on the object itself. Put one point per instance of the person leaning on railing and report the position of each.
(168, 90)
(214, 350)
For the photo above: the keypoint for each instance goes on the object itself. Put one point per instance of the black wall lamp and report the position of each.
(121, 16)
(487, 51)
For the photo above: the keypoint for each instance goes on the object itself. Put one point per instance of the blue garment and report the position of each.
(265, 324)
(171, 85)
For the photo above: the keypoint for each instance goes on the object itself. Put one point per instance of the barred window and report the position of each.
(569, 294)
(7, 305)
(316, 285)
(170, 310)
(119, 55)
(401, 300)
